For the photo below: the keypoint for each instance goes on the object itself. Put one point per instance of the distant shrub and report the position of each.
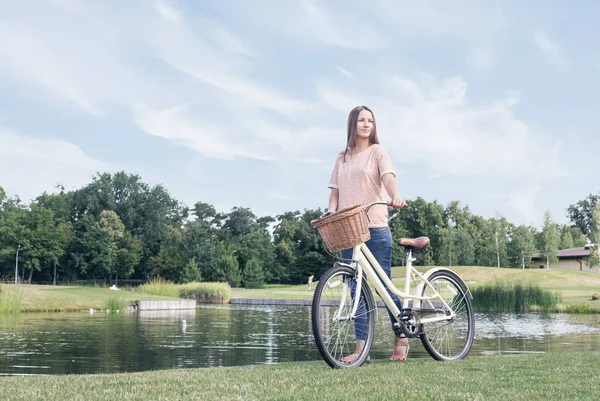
(596, 297)
(207, 293)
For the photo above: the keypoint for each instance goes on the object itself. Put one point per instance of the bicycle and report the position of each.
(441, 302)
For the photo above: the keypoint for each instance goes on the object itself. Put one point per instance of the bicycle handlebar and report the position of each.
(373, 204)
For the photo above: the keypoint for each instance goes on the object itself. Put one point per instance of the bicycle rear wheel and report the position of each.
(448, 340)
(342, 342)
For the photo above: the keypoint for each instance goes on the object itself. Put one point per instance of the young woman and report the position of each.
(362, 174)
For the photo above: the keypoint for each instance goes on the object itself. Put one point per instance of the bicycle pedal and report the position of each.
(405, 314)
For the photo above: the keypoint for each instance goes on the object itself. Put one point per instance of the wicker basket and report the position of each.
(344, 229)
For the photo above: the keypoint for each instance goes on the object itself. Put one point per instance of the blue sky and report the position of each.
(244, 103)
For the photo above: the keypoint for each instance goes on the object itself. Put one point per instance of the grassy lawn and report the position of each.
(575, 287)
(552, 376)
(64, 298)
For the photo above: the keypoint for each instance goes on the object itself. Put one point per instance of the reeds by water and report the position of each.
(10, 300)
(211, 293)
(160, 286)
(514, 297)
(218, 293)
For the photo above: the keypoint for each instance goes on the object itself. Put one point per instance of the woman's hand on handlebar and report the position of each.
(397, 203)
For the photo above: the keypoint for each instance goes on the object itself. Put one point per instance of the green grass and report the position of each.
(50, 298)
(552, 376)
(10, 300)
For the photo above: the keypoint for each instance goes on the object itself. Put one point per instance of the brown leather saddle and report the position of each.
(414, 243)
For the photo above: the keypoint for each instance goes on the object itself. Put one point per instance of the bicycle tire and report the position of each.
(465, 347)
(318, 324)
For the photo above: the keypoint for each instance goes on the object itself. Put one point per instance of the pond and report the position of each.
(232, 335)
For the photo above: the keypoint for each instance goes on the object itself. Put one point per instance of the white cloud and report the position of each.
(432, 122)
(549, 47)
(29, 166)
(523, 201)
(182, 128)
(33, 61)
(167, 11)
(345, 72)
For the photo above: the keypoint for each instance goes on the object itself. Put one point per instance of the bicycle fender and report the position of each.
(428, 273)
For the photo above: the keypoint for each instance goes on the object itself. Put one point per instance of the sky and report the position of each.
(245, 103)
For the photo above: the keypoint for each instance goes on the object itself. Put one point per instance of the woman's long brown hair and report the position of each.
(352, 121)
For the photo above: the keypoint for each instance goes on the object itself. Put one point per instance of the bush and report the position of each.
(596, 297)
(207, 293)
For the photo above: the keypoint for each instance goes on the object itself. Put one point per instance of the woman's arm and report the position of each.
(389, 181)
(334, 199)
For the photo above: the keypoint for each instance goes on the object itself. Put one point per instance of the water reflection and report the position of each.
(230, 335)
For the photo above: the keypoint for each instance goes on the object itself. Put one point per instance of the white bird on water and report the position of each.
(183, 325)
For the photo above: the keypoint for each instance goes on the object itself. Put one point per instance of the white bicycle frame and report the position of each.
(364, 261)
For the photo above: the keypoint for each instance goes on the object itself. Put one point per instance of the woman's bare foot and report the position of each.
(360, 345)
(401, 348)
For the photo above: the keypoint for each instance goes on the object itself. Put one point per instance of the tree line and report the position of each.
(118, 227)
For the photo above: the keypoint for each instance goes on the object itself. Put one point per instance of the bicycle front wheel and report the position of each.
(448, 340)
(343, 341)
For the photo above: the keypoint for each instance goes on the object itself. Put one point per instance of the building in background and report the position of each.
(568, 259)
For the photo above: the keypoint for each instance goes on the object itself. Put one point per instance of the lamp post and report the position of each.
(17, 265)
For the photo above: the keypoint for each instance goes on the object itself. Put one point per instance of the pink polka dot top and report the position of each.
(359, 180)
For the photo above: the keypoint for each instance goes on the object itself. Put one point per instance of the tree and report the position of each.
(227, 269)
(253, 274)
(191, 272)
(129, 254)
(91, 248)
(521, 246)
(549, 240)
(594, 234)
(581, 213)
(567, 240)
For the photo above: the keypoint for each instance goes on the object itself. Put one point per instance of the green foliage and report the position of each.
(594, 235)
(521, 247)
(211, 293)
(10, 300)
(513, 297)
(191, 272)
(595, 297)
(548, 240)
(118, 227)
(253, 274)
(567, 240)
(581, 213)
(227, 269)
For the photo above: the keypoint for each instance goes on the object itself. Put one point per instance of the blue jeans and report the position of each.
(380, 246)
